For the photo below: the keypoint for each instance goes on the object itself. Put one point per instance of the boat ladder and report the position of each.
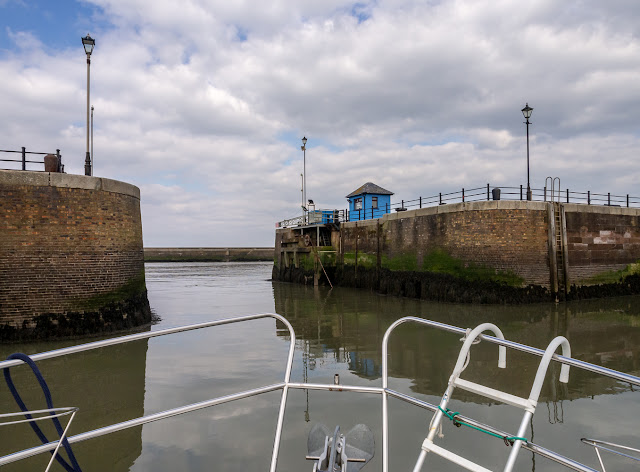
(526, 404)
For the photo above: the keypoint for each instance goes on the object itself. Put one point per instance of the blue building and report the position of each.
(369, 201)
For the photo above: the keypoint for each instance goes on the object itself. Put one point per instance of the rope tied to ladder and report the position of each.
(452, 415)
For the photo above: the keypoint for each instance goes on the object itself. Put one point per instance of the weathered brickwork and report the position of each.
(506, 236)
(478, 252)
(601, 239)
(67, 245)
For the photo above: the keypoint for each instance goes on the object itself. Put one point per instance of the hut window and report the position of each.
(357, 204)
(374, 202)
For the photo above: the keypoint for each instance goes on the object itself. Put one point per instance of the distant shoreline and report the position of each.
(208, 254)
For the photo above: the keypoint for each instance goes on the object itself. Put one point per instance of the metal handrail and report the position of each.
(610, 447)
(24, 160)
(52, 413)
(385, 391)
(478, 194)
(168, 413)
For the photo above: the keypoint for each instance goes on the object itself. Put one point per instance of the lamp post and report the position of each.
(92, 140)
(88, 42)
(526, 111)
(304, 177)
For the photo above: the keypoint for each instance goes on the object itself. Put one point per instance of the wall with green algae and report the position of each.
(461, 252)
(70, 249)
(121, 309)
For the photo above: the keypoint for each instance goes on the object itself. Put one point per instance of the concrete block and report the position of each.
(115, 186)
(75, 181)
(24, 177)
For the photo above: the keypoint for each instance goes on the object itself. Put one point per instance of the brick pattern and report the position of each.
(59, 246)
(504, 239)
(598, 242)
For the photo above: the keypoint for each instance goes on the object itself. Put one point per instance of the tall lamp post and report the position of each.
(526, 111)
(304, 177)
(92, 140)
(88, 42)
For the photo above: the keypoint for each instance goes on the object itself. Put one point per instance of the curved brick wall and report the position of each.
(71, 256)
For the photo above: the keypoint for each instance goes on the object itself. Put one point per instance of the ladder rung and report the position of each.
(455, 458)
(497, 395)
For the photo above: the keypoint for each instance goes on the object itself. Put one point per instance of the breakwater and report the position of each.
(71, 260)
(478, 252)
(208, 254)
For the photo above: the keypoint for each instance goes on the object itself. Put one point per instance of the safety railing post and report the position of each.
(545, 192)
(609, 198)
(588, 197)
(59, 160)
(567, 195)
(462, 194)
(24, 158)
(520, 191)
(440, 198)
(420, 202)
(487, 192)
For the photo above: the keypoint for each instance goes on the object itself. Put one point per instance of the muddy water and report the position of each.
(338, 331)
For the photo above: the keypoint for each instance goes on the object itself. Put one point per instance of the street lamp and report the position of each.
(304, 176)
(88, 42)
(526, 111)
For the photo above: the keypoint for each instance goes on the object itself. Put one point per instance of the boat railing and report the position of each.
(612, 448)
(286, 384)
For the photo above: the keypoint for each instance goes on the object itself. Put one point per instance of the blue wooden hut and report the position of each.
(369, 201)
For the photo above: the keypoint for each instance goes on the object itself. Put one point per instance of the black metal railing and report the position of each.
(477, 194)
(24, 161)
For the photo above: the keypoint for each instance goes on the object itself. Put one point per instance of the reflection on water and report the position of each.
(108, 385)
(338, 331)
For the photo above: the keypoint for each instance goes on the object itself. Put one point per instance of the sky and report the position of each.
(202, 104)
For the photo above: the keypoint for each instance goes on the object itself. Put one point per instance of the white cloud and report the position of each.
(202, 103)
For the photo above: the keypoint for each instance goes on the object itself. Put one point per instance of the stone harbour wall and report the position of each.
(476, 252)
(71, 257)
(601, 239)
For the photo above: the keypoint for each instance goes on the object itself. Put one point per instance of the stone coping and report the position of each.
(54, 179)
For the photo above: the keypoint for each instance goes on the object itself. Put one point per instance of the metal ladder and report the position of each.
(560, 265)
(527, 404)
(324, 240)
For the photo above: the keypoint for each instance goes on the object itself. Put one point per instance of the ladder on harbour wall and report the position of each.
(324, 240)
(560, 252)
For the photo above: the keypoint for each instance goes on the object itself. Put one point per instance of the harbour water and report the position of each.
(338, 331)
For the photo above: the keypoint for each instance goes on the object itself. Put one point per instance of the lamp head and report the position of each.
(526, 111)
(304, 141)
(88, 42)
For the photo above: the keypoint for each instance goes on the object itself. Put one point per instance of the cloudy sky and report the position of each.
(202, 103)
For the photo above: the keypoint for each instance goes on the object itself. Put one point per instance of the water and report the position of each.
(338, 331)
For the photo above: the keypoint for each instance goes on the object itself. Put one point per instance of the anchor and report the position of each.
(340, 452)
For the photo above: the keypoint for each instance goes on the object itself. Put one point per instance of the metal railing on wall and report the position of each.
(477, 194)
(24, 161)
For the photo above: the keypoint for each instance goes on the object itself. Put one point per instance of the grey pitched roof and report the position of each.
(369, 188)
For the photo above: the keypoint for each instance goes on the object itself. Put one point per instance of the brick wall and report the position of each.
(504, 235)
(65, 242)
(601, 239)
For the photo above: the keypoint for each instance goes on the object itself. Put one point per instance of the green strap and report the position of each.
(457, 422)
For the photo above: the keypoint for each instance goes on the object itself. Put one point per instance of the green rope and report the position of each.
(508, 440)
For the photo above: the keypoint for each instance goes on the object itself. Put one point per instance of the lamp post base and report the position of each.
(529, 194)
(87, 164)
